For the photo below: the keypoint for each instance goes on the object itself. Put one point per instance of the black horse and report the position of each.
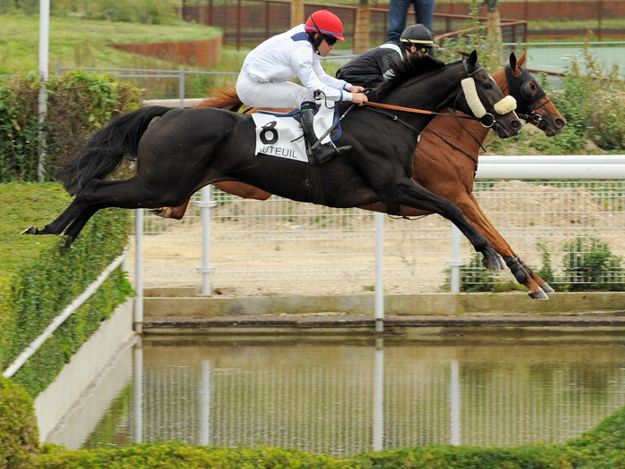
(185, 150)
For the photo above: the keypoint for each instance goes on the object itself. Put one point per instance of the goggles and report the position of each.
(330, 40)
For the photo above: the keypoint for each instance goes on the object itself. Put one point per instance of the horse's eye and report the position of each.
(488, 86)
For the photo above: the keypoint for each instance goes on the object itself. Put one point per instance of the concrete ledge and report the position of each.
(338, 324)
(52, 404)
(437, 304)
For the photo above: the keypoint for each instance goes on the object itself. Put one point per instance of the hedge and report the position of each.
(602, 447)
(48, 274)
(18, 428)
(78, 103)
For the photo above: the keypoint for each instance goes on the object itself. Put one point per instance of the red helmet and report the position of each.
(325, 22)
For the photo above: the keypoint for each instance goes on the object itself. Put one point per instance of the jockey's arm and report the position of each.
(313, 77)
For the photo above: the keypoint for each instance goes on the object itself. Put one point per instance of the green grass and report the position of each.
(77, 42)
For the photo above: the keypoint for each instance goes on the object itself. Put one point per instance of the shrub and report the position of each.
(78, 104)
(590, 265)
(18, 427)
(474, 277)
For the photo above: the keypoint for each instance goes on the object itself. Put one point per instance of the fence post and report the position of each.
(138, 316)
(44, 41)
(206, 203)
(182, 90)
(456, 262)
(379, 273)
(238, 25)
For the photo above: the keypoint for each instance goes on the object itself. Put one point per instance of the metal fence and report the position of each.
(550, 57)
(245, 23)
(284, 247)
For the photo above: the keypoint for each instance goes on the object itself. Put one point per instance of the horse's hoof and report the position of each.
(547, 288)
(492, 264)
(32, 229)
(538, 295)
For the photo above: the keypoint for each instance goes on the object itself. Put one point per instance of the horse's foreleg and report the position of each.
(409, 193)
(522, 273)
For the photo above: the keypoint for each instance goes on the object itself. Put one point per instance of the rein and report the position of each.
(417, 111)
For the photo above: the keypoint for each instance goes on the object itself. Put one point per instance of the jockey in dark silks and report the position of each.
(370, 67)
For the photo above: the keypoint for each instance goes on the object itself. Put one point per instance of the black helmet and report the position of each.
(418, 35)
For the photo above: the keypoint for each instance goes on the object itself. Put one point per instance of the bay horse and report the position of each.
(187, 149)
(445, 163)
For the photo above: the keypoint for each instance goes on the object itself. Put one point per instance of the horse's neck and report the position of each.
(467, 134)
(430, 91)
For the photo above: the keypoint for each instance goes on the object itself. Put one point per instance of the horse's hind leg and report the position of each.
(61, 222)
(99, 194)
(76, 226)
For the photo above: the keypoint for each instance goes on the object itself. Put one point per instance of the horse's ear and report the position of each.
(521, 60)
(513, 61)
(473, 58)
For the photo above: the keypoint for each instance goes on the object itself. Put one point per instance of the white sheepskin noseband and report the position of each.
(473, 100)
(506, 105)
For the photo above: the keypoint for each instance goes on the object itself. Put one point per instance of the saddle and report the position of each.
(280, 133)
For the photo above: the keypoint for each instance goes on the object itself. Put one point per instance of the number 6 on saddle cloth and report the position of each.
(280, 134)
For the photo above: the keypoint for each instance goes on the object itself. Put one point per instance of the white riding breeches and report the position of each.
(285, 94)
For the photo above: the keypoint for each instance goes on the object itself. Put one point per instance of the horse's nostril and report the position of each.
(516, 124)
(560, 123)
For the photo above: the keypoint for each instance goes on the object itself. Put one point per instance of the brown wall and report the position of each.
(204, 53)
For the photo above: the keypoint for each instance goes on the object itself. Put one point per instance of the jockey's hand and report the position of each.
(357, 89)
(359, 98)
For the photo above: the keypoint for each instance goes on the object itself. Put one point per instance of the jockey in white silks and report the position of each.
(264, 78)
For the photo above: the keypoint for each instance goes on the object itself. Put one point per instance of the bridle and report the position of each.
(527, 102)
(487, 120)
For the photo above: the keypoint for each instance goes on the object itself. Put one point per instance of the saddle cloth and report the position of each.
(281, 135)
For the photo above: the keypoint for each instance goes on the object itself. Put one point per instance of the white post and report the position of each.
(138, 316)
(454, 393)
(379, 273)
(456, 262)
(44, 45)
(206, 203)
(378, 397)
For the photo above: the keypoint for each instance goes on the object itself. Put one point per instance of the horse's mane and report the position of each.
(403, 70)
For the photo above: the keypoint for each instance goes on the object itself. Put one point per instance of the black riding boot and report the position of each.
(321, 153)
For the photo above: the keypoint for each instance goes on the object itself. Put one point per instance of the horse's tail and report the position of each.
(223, 99)
(106, 148)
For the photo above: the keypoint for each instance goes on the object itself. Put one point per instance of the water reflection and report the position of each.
(348, 396)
